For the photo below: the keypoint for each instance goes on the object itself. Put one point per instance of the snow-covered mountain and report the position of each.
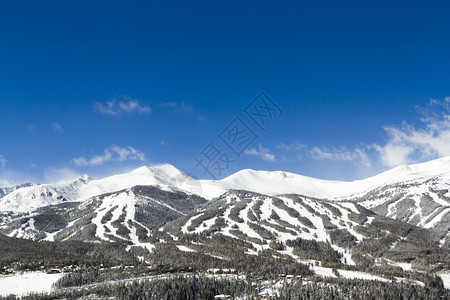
(29, 198)
(6, 190)
(400, 217)
(417, 194)
(272, 183)
(119, 216)
(279, 182)
(146, 218)
(274, 223)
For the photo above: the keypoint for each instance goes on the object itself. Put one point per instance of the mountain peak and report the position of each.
(85, 178)
(165, 170)
(166, 176)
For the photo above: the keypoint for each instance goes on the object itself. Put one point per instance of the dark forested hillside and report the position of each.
(242, 244)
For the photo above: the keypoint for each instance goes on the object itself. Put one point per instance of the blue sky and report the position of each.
(102, 87)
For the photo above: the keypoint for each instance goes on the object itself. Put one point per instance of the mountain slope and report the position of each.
(147, 219)
(127, 216)
(7, 190)
(279, 182)
(328, 230)
(425, 203)
(168, 177)
(30, 198)
(417, 194)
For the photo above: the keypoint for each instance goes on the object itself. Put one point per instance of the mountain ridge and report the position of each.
(168, 177)
(417, 194)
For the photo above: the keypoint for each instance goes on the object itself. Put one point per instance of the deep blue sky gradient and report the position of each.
(340, 70)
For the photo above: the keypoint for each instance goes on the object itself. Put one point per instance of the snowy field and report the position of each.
(32, 282)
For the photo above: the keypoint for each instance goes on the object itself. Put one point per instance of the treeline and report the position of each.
(203, 287)
(180, 287)
(166, 257)
(99, 275)
(311, 249)
(22, 254)
(357, 289)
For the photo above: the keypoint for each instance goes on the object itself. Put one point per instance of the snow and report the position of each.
(29, 198)
(279, 182)
(184, 229)
(350, 206)
(317, 221)
(346, 255)
(32, 282)
(51, 236)
(348, 274)
(360, 275)
(436, 219)
(325, 272)
(130, 213)
(118, 204)
(445, 278)
(25, 231)
(184, 248)
(442, 240)
(404, 266)
(318, 233)
(369, 220)
(170, 178)
(439, 200)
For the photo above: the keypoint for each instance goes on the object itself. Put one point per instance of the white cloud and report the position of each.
(408, 144)
(405, 143)
(2, 161)
(5, 183)
(180, 106)
(340, 154)
(57, 127)
(59, 175)
(121, 105)
(263, 153)
(113, 153)
(293, 146)
(10, 178)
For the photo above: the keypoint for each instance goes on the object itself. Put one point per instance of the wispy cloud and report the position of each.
(292, 146)
(9, 178)
(122, 105)
(30, 127)
(261, 152)
(408, 144)
(111, 154)
(405, 143)
(5, 183)
(57, 175)
(178, 106)
(2, 161)
(340, 154)
(57, 127)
